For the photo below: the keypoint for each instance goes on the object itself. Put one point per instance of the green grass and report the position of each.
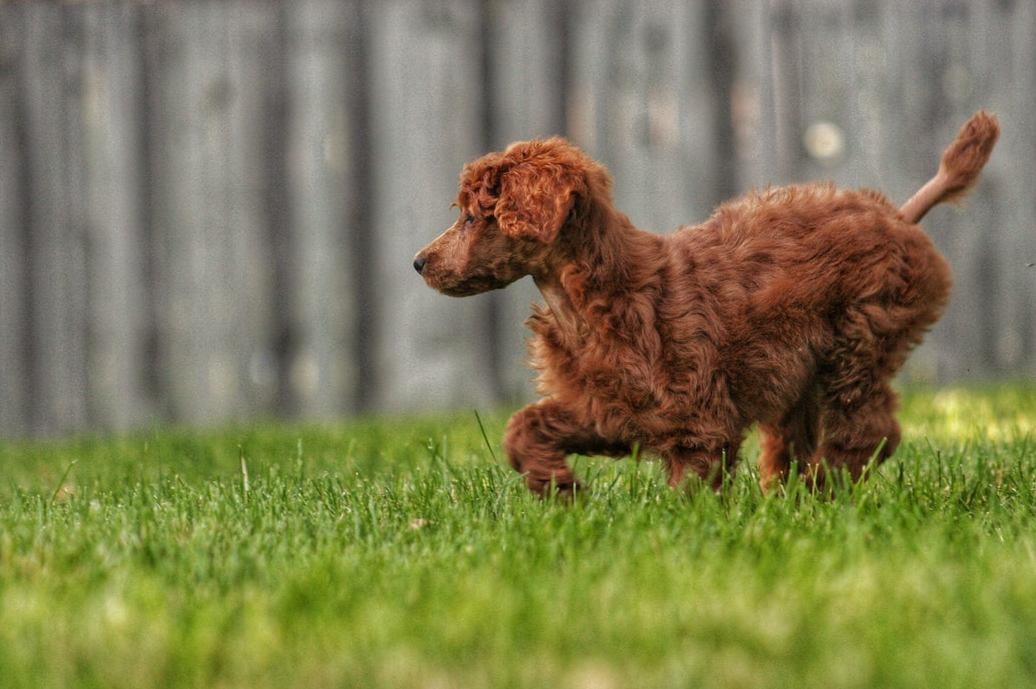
(400, 554)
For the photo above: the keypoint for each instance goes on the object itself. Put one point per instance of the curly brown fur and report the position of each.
(792, 308)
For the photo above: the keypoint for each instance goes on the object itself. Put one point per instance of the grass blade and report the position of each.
(485, 437)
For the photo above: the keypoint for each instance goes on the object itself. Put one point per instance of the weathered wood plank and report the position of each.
(56, 252)
(323, 307)
(431, 350)
(15, 162)
(112, 78)
(212, 279)
(1006, 203)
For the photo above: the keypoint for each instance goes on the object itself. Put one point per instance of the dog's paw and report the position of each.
(564, 489)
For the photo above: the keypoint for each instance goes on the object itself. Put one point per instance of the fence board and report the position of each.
(116, 310)
(425, 107)
(322, 306)
(1009, 202)
(56, 251)
(14, 388)
(211, 289)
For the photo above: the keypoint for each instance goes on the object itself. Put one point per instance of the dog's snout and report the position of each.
(419, 264)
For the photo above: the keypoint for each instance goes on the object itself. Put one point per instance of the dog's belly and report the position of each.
(639, 404)
(723, 387)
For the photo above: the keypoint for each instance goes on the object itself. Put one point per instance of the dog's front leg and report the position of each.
(539, 437)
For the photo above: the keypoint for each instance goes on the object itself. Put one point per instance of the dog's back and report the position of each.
(792, 274)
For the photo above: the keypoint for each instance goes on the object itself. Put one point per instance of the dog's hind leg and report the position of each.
(858, 423)
(539, 437)
(792, 438)
(859, 427)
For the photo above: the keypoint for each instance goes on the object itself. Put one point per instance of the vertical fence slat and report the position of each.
(14, 384)
(56, 260)
(1006, 201)
(424, 105)
(323, 307)
(116, 306)
(212, 268)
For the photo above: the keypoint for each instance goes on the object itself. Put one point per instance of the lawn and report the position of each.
(403, 553)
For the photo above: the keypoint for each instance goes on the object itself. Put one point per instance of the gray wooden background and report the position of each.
(208, 209)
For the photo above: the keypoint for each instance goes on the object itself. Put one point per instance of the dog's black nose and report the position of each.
(419, 264)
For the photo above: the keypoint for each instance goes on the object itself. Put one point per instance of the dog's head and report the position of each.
(513, 207)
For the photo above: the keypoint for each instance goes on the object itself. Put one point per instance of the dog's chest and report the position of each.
(614, 383)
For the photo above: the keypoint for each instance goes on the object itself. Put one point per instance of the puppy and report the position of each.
(792, 308)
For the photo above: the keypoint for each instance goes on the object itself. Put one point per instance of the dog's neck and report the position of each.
(597, 262)
(565, 313)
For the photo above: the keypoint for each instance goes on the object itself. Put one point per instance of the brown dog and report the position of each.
(793, 308)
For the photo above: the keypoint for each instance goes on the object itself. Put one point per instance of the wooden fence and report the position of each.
(208, 209)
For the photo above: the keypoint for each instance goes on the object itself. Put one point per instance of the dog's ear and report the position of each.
(535, 199)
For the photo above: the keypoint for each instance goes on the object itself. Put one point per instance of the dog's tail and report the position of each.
(959, 169)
